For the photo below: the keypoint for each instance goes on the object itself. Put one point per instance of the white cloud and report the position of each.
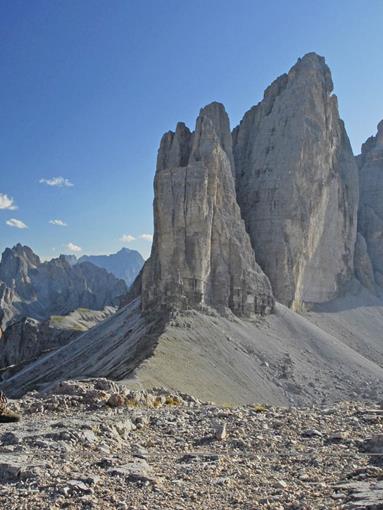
(127, 238)
(7, 202)
(60, 223)
(146, 237)
(74, 248)
(57, 181)
(16, 223)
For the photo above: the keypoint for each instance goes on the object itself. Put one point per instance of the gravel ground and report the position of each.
(96, 445)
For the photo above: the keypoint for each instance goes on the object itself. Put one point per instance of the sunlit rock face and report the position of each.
(202, 255)
(371, 200)
(297, 185)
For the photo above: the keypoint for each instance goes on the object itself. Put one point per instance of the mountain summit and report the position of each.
(202, 255)
(297, 185)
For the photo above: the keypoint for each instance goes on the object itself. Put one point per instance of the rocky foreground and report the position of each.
(98, 445)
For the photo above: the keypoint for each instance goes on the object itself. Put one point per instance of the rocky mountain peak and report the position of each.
(174, 148)
(15, 266)
(71, 259)
(22, 254)
(313, 66)
(212, 127)
(63, 261)
(297, 185)
(373, 147)
(201, 253)
(310, 71)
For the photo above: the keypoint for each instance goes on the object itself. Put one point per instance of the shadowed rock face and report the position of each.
(363, 267)
(297, 185)
(26, 339)
(371, 200)
(202, 255)
(23, 341)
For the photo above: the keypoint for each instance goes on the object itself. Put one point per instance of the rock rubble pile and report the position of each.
(97, 444)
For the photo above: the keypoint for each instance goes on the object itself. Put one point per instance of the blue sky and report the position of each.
(88, 87)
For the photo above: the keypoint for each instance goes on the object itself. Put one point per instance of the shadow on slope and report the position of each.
(356, 319)
(111, 349)
(281, 359)
(355, 296)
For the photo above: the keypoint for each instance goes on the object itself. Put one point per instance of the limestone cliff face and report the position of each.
(371, 200)
(29, 287)
(201, 255)
(297, 185)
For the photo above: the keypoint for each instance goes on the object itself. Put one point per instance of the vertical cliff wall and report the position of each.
(297, 185)
(202, 255)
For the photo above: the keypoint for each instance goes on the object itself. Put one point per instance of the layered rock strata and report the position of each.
(27, 339)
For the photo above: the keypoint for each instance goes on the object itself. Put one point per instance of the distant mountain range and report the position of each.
(31, 288)
(125, 264)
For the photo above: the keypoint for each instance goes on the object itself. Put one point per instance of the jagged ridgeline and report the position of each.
(31, 288)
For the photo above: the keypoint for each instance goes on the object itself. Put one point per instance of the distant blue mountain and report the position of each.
(71, 259)
(125, 264)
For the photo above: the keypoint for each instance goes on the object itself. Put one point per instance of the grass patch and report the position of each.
(259, 408)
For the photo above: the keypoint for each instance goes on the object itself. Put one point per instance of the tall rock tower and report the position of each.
(202, 254)
(297, 185)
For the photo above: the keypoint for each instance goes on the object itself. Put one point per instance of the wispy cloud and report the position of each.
(74, 248)
(61, 182)
(127, 238)
(16, 223)
(7, 202)
(147, 237)
(60, 223)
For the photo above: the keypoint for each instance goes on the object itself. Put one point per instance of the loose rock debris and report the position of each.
(98, 445)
